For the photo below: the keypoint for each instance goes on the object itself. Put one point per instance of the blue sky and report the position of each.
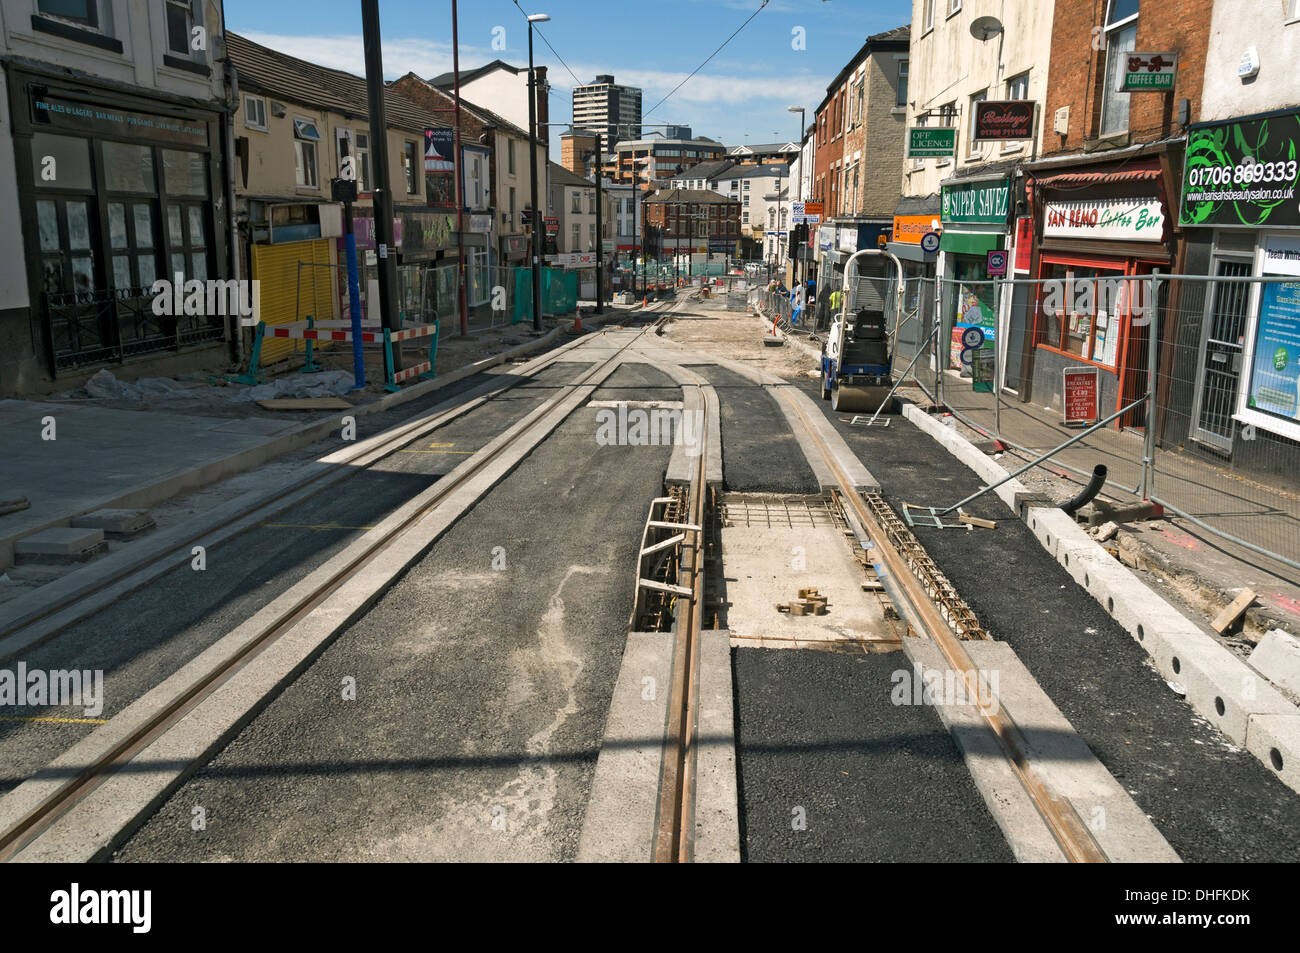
(740, 96)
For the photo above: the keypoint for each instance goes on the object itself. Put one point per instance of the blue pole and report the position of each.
(354, 299)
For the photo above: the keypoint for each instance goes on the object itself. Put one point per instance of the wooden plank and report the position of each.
(1233, 612)
(305, 403)
(976, 521)
(664, 587)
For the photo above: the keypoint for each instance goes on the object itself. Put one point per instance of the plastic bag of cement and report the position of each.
(325, 384)
(105, 386)
(166, 388)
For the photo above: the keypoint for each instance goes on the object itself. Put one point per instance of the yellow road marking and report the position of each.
(57, 721)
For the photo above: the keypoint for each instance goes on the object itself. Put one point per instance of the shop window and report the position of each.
(133, 244)
(1121, 39)
(305, 138)
(186, 173)
(67, 248)
(1082, 311)
(188, 240)
(129, 168)
(67, 160)
(255, 113)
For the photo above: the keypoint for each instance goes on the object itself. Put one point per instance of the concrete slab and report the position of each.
(1124, 833)
(788, 398)
(1277, 658)
(767, 565)
(622, 812)
(58, 545)
(717, 798)
(118, 524)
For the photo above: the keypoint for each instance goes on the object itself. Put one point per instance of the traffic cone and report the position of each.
(577, 322)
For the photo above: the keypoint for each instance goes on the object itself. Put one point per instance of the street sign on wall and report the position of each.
(1004, 120)
(1243, 173)
(931, 142)
(1148, 72)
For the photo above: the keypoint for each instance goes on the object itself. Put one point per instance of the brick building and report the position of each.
(692, 221)
(1102, 202)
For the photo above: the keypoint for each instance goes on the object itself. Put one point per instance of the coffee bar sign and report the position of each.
(1128, 220)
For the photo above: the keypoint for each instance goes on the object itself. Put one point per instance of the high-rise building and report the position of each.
(604, 106)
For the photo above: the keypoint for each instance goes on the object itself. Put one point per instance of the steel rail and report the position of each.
(67, 794)
(1069, 830)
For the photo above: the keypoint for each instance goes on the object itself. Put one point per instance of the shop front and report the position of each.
(913, 221)
(1103, 230)
(116, 192)
(973, 215)
(1240, 373)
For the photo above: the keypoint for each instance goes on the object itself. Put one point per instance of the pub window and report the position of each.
(1121, 39)
(255, 113)
(84, 12)
(180, 26)
(305, 137)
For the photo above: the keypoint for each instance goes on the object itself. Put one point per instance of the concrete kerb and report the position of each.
(717, 794)
(103, 820)
(301, 436)
(1218, 685)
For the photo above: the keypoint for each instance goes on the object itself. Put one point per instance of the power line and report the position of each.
(650, 112)
(552, 49)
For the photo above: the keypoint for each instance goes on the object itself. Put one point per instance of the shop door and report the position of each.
(1220, 372)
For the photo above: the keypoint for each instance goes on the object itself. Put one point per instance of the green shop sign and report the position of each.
(977, 203)
(1243, 173)
(939, 142)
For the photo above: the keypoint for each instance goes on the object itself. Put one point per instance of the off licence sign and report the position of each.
(924, 142)
(1081, 396)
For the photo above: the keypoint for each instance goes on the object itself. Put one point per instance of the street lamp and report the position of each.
(799, 184)
(532, 163)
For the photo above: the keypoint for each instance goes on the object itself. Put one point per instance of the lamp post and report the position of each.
(799, 184)
(532, 163)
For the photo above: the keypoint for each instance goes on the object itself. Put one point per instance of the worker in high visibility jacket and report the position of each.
(837, 300)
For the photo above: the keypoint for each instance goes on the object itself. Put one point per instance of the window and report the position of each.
(591, 203)
(855, 103)
(1121, 39)
(745, 218)
(1087, 322)
(411, 165)
(954, 6)
(927, 16)
(1018, 87)
(512, 221)
(974, 148)
(85, 12)
(363, 161)
(510, 157)
(255, 113)
(747, 185)
(577, 231)
(577, 201)
(180, 24)
(305, 137)
(591, 238)
(903, 66)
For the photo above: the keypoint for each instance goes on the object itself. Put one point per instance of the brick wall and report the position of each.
(1077, 70)
(884, 136)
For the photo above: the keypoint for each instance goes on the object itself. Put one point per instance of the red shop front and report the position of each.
(1100, 234)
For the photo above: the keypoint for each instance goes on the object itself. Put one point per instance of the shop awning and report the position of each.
(969, 243)
(1071, 179)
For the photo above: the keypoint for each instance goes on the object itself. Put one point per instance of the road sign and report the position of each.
(1148, 73)
(997, 266)
(930, 242)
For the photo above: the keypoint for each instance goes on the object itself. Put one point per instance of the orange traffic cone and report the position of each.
(577, 321)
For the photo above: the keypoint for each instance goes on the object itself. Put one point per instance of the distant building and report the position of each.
(573, 203)
(655, 160)
(577, 153)
(503, 89)
(692, 221)
(777, 153)
(604, 106)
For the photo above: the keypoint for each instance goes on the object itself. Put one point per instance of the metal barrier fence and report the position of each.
(1201, 396)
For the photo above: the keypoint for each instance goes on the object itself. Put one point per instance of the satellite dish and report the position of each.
(985, 27)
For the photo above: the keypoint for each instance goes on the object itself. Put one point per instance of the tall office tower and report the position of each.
(606, 107)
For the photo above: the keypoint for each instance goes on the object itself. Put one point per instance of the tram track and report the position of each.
(30, 812)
